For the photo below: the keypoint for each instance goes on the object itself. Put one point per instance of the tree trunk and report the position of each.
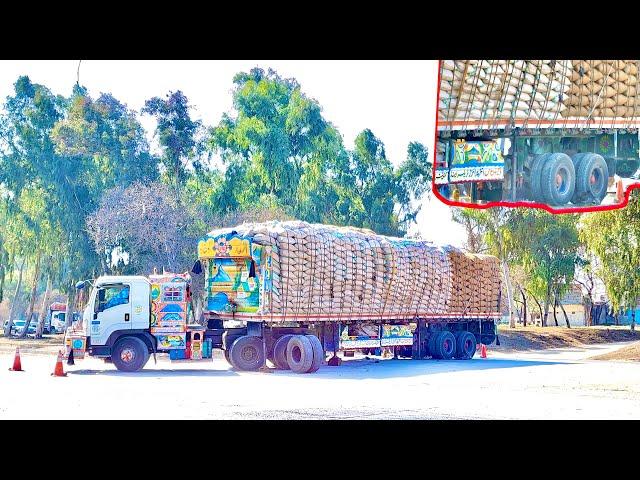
(70, 305)
(555, 308)
(524, 302)
(507, 280)
(32, 300)
(7, 330)
(546, 307)
(566, 318)
(44, 308)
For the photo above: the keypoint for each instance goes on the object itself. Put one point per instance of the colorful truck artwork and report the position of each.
(233, 275)
(170, 309)
(475, 161)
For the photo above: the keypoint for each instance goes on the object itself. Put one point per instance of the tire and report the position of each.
(445, 345)
(465, 346)
(534, 179)
(318, 353)
(591, 178)
(129, 354)
(247, 353)
(431, 349)
(280, 352)
(577, 160)
(558, 179)
(227, 357)
(299, 354)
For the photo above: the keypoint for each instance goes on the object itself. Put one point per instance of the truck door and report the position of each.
(111, 311)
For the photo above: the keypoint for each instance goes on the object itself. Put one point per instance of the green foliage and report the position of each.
(176, 133)
(614, 238)
(278, 148)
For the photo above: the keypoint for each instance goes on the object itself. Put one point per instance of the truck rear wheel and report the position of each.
(535, 175)
(592, 178)
(318, 353)
(299, 354)
(130, 354)
(558, 179)
(444, 345)
(465, 346)
(280, 352)
(247, 353)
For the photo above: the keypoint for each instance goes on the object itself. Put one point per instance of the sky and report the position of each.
(395, 99)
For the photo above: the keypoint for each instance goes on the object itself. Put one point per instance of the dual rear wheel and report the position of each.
(299, 353)
(445, 345)
(557, 179)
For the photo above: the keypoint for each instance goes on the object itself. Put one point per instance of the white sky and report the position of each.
(395, 99)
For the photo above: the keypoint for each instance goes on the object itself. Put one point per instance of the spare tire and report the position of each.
(247, 353)
(280, 352)
(558, 179)
(534, 175)
(299, 354)
(318, 353)
(592, 178)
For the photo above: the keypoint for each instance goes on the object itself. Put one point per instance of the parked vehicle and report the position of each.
(357, 290)
(57, 315)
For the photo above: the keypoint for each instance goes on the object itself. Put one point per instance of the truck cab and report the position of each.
(115, 322)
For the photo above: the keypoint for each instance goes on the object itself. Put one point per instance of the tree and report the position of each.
(277, 149)
(139, 228)
(177, 135)
(614, 238)
(546, 245)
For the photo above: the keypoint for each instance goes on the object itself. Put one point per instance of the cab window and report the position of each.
(110, 296)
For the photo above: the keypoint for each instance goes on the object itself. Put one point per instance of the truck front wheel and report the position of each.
(129, 354)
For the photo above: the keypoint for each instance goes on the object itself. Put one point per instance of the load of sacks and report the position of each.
(537, 89)
(328, 272)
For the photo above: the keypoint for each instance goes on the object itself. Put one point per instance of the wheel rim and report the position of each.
(127, 355)
(296, 354)
(447, 346)
(468, 345)
(249, 354)
(562, 181)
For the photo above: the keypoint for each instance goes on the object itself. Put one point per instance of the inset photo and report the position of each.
(555, 134)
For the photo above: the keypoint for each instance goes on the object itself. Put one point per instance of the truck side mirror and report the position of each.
(80, 285)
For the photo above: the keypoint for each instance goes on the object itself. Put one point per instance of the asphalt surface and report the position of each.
(549, 384)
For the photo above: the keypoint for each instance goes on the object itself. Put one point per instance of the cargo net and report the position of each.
(325, 272)
(534, 93)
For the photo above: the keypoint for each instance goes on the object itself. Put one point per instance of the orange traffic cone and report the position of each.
(619, 192)
(483, 351)
(59, 371)
(17, 365)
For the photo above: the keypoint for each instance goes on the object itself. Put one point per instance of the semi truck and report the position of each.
(554, 132)
(293, 293)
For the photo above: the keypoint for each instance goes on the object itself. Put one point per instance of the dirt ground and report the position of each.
(50, 344)
(629, 353)
(539, 338)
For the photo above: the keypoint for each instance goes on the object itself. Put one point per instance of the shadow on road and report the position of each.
(381, 369)
(159, 372)
(349, 370)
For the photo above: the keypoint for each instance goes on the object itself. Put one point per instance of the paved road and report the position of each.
(551, 384)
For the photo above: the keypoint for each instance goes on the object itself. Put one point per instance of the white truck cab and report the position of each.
(115, 322)
(116, 303)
